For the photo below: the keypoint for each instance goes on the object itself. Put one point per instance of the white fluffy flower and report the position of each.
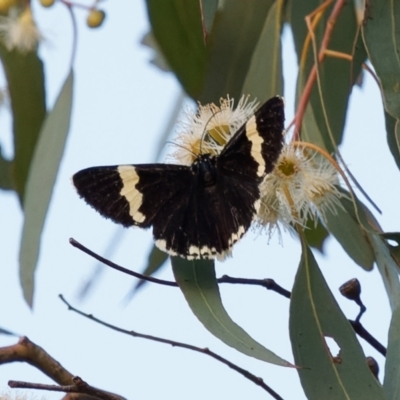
(302, 185)
(18, 31)
(208, 130)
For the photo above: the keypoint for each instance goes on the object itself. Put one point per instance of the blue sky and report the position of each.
(121, 106)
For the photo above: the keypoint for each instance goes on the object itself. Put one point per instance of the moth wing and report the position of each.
(132, 194)
(255, 147)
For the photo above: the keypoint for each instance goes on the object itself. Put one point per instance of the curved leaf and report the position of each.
(381, 33)
(387, 268)
(39, 187)
(265, 76)
(209, 9)
(198, 283)
(394, 250)
(391, 382)
(348, 232)
(25, 79)
(315, 315)
(236, 30)
(393, 137)
(155, 260)
(6, 182)
(316, 235)
(177, 27)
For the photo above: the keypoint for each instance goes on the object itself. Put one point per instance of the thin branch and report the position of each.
(362, 332)
(255, 379)
(78, 386)
(127, 271)
(322, 52)
(267, 283)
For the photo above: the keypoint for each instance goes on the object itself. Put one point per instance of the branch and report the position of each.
(269, 284)
(321, 55)
(79, 386)
(255, 379)
(362, 332)
(31, 353)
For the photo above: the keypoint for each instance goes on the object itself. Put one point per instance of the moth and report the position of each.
(198, 211)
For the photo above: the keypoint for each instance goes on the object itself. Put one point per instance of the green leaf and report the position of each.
(387, 268)
(314, 316)
(316, 235)
(39, 188)
(391, 382)
(381, 34)
(236, 31)
(209, 9)
(5, 173)
(157, 59)
(337, 75)
(393, 137)
(265, 76)
(198, 283)
(348, 232)
(155, 261)
(25, 79)
(394, 250)
(177, 27)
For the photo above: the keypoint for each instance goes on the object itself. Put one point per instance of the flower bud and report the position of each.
(95, 18)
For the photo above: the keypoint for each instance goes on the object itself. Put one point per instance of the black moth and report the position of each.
(196, 211)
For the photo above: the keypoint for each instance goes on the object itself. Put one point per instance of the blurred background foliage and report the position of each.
(215, 48)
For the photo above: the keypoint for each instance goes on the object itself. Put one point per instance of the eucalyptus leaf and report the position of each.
(6, 182)
(316, 235)
(177, 28)
(343, 224)
(315, 316)
(265, 76)
(381, 33)
(391, 382)
(198, 284)
(39, 188)
(388, 269)
(393, 137)
(155, 261)
(232, 41)
(209, 9)
(394, 250)
(25, 83)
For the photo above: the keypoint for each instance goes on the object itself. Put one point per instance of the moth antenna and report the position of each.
(205, 129)
(182, 147)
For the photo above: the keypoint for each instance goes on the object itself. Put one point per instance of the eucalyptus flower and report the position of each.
(18, 31)
(210, 128)
(302, 185)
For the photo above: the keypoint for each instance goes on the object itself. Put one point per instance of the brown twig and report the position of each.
(79, 386)
(255, 379)
(29, 352)
(313, 74)
(269, 284)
